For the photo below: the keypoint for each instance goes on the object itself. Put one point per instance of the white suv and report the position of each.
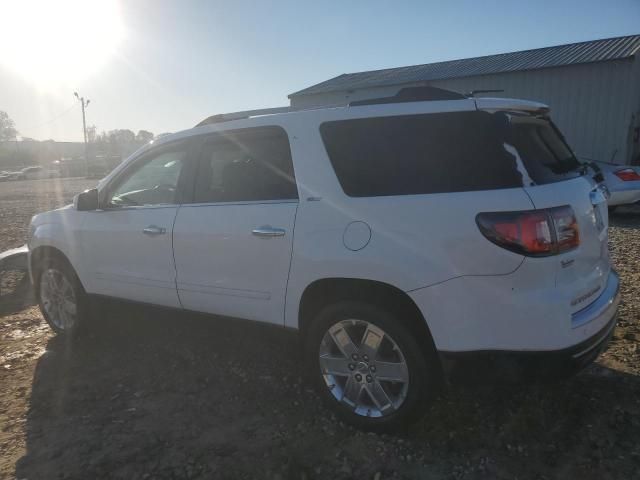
(406, 238)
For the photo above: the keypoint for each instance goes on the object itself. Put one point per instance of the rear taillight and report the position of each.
(535, 233)
(627, 175)
(566, 228)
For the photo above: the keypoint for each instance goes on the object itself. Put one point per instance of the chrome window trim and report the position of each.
(136, 207)
(242, 202)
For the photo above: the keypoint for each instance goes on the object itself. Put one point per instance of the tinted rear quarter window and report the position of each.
(420, 154)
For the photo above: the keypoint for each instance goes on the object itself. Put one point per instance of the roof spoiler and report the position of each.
(427, 94)
(511, 105)
(412, 94)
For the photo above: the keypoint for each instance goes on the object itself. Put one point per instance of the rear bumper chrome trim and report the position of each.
(607, 302)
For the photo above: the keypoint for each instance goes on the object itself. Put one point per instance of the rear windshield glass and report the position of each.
(444, 152)
(542, 149)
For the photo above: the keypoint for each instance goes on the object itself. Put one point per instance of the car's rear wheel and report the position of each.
(60, 295)
(368, 368)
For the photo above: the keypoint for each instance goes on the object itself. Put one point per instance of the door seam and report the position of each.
(286, 287)
(173, 254)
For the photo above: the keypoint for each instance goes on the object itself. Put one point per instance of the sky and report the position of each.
(164, 66)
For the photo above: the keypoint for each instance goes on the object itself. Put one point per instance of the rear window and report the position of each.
(542, 149)
(419, 154)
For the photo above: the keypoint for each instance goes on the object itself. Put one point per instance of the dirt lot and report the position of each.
(154, 394)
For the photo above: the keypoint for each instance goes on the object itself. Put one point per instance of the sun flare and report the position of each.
(58, 43)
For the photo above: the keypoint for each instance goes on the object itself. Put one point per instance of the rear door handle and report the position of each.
(268, 231)
(154, 230)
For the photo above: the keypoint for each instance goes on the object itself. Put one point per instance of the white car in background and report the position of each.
(405, 238)
(34, 173)
(623, 182)
(16, 175)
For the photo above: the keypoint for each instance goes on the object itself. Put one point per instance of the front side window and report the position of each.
(154, 181)
(252, 164)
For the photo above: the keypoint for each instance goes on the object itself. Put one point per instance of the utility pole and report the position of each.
(85, 104)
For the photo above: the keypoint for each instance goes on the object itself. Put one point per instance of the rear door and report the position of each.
(232, 243)
(560, 180)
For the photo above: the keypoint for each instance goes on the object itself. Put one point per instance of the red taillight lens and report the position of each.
(627, 175)
(535, 233)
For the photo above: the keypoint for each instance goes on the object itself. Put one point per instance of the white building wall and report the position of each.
(596, 105)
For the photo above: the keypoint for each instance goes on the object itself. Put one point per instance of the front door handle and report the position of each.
(268, 231)
(154, 230)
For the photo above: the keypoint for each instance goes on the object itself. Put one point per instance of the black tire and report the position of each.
(424, 371)
(82, 307)
(612, 208)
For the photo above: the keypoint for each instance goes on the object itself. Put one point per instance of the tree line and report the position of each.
(113, 143)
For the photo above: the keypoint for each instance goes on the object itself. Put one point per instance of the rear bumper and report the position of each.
(541, 365)
(472, 367)
(604, 306)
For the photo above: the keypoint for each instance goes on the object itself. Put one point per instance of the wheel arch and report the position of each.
(327, 291)
(39, 255)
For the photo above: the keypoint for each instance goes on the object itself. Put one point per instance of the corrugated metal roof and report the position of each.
(556, 56)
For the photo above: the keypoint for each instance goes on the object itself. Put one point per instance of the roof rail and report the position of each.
(407, 94)
(473, 93)
(413, 94)
(227, 117)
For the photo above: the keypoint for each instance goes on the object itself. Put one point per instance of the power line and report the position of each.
(48, 122)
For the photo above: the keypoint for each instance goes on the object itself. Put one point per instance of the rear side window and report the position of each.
(419, 154)
(253, 164)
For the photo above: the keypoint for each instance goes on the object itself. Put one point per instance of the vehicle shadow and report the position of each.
(625, 216)
(16, 293)
(159, 394)
(150, 390)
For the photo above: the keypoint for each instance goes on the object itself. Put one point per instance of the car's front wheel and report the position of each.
(60, 295)
(368, 367)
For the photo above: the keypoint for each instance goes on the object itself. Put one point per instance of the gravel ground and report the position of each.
(19, 201)
(156, 394)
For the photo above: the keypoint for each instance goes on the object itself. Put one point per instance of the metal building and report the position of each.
(593, 89)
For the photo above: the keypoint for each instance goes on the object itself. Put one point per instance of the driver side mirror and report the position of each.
(87, 200)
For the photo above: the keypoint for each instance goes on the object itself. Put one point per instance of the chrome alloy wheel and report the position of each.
(364, 368)
(58, 299)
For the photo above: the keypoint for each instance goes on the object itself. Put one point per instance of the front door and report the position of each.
(127, 244)
(232, 243)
